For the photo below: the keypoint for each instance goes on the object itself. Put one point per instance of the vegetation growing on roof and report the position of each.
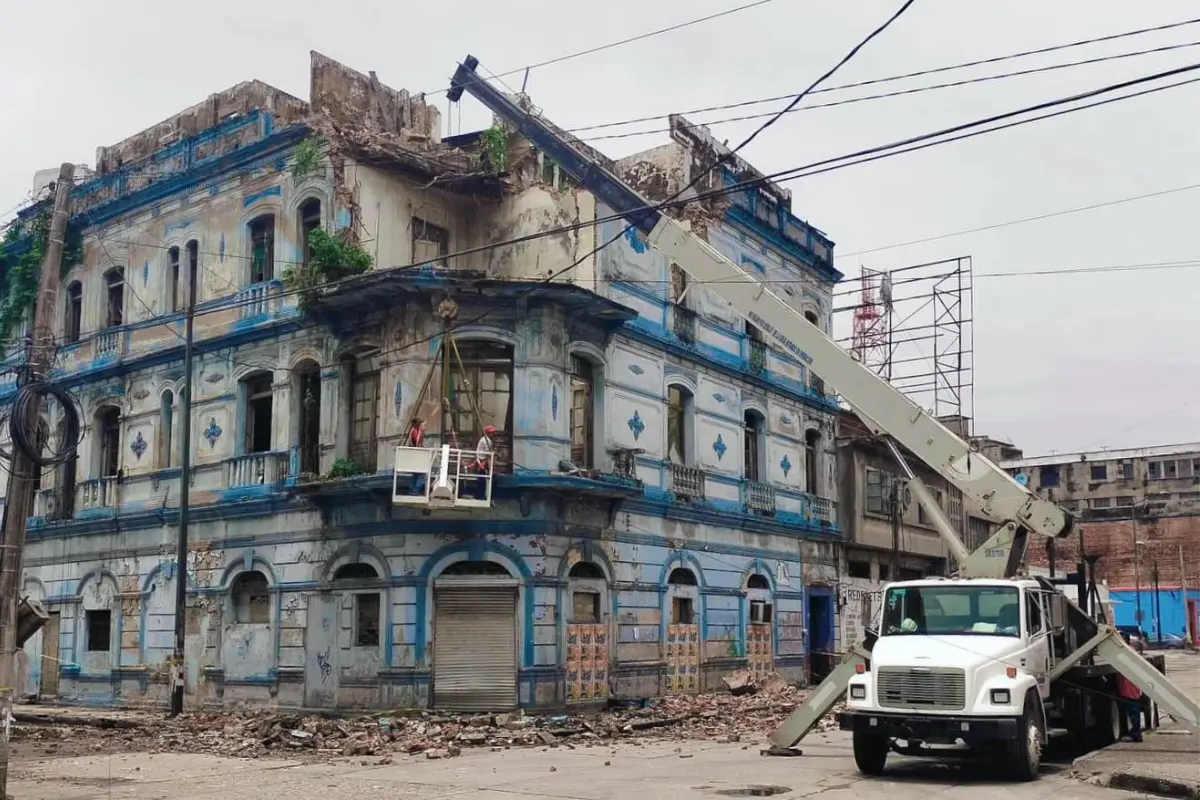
(493, 149)
(330, 258)
(306, 158)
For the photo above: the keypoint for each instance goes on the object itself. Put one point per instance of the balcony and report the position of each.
(816, 384)
(686, 482)
(259, 299)
(98, 493)
(758, 356)
(759, 497)
(49, 505)
(820, 509)
(110, 343)
(683, 322)
(256, 469)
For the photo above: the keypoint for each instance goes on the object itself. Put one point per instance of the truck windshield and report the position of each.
(952, 611)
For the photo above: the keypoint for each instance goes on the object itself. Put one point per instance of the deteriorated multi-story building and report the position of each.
(658, 505)
(1138, 510)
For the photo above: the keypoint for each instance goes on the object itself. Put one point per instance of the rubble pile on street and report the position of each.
(747, 714)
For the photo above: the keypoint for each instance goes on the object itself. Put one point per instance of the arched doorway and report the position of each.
(683, 632)
(587, 634)
(760, 626)
(475, 638)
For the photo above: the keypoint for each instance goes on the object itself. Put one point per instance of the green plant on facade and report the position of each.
(306, 158)
(21, 252)
(493, 149)
(330, 258)
(345, 468)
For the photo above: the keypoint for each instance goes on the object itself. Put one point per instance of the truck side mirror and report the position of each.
(1058, 611)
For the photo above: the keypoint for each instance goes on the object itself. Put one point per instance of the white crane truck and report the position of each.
(986, 659)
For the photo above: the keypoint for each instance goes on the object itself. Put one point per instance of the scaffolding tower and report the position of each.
(913, 327)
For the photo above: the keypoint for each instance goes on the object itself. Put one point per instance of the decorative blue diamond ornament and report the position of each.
(636, 369)
(636, 425)
(554, 402)
(786, 464)
(212, 432)
(719, 447)
(138, 445)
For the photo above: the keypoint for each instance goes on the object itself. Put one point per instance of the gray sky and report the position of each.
(1063, 362)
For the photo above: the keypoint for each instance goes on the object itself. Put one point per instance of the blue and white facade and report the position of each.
(694, 535)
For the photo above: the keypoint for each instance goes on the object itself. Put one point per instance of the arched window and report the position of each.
(74, 317)
(757, 581)
(680, 413)
(683, 604)
(310, 220)
(114, 281)
(755, 434)
(251, 598)
(681, 576)
(262, 248)
(366, 603)
(172, 280)
(166, 423)
(587, 581)
(812, 445)
(361, 413)
(191, 293)
(108, 429)
(306, 391)
(259, 397)
(814, 382)
(484, 384)
(583, 413)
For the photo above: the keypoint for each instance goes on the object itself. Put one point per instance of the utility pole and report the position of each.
(1137, 576)
(1157, 605)
(179, 673)
(895, 528)
(23, 469)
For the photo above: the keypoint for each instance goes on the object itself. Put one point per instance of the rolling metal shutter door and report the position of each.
(475, 649)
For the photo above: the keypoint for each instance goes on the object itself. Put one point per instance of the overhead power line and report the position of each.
(907, 75)
(886, 95)
(620, 42)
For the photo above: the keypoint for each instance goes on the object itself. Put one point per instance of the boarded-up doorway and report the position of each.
(475, 639)
(50, 659)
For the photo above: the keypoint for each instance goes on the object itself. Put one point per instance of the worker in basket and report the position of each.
(482, 465)
(416, 438)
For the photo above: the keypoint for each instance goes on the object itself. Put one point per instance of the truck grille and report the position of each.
(921, 688)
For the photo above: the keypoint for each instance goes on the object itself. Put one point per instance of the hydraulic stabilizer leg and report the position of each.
(802, 720)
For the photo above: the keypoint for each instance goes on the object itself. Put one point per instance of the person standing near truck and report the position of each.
(1131, 702)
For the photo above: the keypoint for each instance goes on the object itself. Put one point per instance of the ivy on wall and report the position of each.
(21, 252)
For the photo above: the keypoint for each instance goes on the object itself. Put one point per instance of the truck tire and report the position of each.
(870, 752)
(1024, 752)
(1110, 722)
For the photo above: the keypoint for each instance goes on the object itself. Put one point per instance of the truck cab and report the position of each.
(955, 661)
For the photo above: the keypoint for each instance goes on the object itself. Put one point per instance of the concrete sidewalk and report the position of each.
(1167, 763)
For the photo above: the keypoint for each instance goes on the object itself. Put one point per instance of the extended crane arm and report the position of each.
(881, 406)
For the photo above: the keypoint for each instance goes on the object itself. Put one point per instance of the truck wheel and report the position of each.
(1025, 750)
(1109, 722)
(870, 752)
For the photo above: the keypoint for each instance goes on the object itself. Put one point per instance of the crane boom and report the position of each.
(882, 407)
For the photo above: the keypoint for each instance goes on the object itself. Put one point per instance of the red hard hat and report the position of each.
(490, 429)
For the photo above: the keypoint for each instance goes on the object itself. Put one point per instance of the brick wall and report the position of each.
(1113, 541)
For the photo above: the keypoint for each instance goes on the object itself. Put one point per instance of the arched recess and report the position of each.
(356, 552)
(682, 614)
(754, 447)
(586, 418)
(588, 622)
(158, 614)
(813, 444)
(31, 665)
(249, 625)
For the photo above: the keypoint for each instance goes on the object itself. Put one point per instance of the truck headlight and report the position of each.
(858, 692)
(1001, 697)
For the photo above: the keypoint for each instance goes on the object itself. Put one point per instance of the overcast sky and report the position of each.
(1063, 363)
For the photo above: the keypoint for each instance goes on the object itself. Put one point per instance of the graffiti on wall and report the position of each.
(859, 601)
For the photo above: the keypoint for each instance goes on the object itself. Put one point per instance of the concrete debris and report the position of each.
(724, 717)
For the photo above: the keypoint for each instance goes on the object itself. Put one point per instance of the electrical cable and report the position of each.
(885, 95)
(826, 165)
(917, 74)
(640, 37)
(22, 421)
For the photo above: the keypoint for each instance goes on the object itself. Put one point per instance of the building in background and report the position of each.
(1138, 510)
(664, 502)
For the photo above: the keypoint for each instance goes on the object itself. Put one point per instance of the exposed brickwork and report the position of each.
(1113, 541)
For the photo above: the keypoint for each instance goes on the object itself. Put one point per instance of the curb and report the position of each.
(1163, 787)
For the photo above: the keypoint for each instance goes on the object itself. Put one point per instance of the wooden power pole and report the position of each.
(23, 470)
